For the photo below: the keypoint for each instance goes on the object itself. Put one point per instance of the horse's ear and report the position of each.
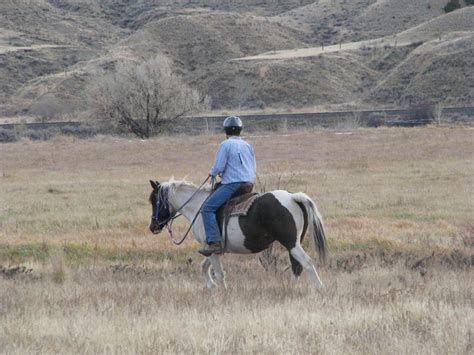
(155, 185)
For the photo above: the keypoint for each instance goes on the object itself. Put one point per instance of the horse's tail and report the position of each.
(315, 223)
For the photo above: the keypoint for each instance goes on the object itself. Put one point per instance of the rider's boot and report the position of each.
(211, 248)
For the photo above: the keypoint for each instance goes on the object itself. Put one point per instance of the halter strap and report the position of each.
(173, 215)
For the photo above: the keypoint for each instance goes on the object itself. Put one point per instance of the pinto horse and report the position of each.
(274, 216)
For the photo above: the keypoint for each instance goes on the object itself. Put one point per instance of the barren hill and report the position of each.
(51, 49)
(202, 40)
(335, 21)
(438, 71)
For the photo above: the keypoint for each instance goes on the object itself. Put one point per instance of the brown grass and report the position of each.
(164, 308)
(398, 210)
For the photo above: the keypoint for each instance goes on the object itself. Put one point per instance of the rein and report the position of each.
(169, 221)
(170, 230)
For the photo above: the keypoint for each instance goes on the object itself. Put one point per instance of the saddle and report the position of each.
(238, 205)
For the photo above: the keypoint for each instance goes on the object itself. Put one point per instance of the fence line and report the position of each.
(374, 118)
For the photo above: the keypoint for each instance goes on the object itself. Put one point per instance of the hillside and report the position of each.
(50, 50)
(335, 21)
(430, 72)
(205, 39)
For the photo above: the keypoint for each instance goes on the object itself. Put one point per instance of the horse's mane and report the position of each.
(170, 187)
(173, 184)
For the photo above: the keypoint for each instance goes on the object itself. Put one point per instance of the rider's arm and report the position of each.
(254, 159)
(220, 161)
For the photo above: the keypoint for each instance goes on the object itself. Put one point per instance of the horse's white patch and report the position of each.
(198, 230)
(235, 242)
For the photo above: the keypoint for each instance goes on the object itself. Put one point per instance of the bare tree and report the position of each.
(144, 96)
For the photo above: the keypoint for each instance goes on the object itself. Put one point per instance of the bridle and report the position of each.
(168, 222)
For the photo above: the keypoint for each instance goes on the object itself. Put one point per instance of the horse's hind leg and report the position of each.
(300, 255)
(218, 272)
(295, 267)
(205, 269)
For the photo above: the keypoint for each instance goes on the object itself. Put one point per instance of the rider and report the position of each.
(235, 163)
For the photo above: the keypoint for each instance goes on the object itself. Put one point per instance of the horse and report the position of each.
(274, 216)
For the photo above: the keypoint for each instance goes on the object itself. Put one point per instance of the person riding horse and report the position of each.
(235, 163)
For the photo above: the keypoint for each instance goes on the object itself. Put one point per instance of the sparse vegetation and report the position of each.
(149, 308)
(79, 271)
(65, 44)
(424, 112)
(7, 136)
(452, 5)
(19, 132)
(48, 108)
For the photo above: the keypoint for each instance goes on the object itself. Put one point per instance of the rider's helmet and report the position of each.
(232, 126)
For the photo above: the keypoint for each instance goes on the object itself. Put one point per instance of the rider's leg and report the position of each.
(209, 208)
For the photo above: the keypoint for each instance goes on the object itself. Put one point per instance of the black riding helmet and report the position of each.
(232, 126)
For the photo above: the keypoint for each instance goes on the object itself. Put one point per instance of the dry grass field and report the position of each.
(80, 273)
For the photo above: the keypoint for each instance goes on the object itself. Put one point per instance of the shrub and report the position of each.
(469, 2)
(144, 97)
(40, 135)
(79, 131)
(375, 120)
(49, 108)
(452, 5)
(82, 131)
(422, 113)
(7, 136)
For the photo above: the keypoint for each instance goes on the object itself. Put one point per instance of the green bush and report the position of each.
(452, 5)
(469, 2)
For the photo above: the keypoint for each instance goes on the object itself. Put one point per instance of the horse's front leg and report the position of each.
(218, 272)
(205, 269)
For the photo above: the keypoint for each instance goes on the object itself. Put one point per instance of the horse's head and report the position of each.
(161, 213)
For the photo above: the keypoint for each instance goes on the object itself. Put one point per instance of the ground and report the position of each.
(80, 271)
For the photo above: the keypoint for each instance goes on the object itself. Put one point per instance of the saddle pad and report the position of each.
(240, 208)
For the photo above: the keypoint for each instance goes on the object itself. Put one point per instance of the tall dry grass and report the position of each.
(396, 183)
(398, 209)
(163, 308)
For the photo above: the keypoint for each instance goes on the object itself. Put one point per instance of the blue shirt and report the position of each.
(235, 161)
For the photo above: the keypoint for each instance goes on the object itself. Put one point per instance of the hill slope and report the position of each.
(438, 71)
(335, 21)
(50, 50)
